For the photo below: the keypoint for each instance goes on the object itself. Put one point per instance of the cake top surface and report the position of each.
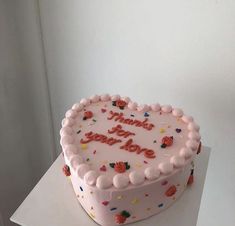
(111, 141)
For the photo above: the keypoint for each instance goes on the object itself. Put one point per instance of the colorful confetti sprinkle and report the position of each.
(119, 197)
(165, 182)
(103, 168)
(146, 114)
(83, 146)
(94, 152)
(146, 195)
(114, 208)
(132, 116)
(160, 205)
(81, 188)
(87, 159)
(162, 130)
(135, 201)
(154, 141)
(79, 131)
(145, 162)
(103, 110)
(105, 203)
(178, 130)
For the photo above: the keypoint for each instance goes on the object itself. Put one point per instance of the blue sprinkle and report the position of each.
(114, 208)
(146, 114)
(178, 130)
(132, 116)
(160, 205)
(81, 188)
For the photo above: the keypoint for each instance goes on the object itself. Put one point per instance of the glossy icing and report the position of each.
(113, 145)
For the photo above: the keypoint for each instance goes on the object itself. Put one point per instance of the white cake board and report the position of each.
(52, 202)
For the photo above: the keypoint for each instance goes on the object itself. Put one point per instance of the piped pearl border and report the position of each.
(119, 181)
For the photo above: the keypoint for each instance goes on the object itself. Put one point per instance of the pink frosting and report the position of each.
(67, 122)
(143, 108)
(103, 182)
(95, 98)
(194, 135)
(132, 105)
(186, 152)
(82, 170)
(155, 107)
(126, 99)
(105, 97)
(187, 118)
(193, 126)
(166, 108)
(78, 107)
(70, 149)
(75, 161)
(177, 112)
(177, 161)
(120, 181)
(137, 177)
(165, 167)
(85, 101)
(90, 177)
(66, 131)
(65, 140)
(71, 113)
(115, 97)
(192, 144)
(152, 173)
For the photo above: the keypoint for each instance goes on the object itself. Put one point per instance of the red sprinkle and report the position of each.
(103, 168)
(145, 162)
(88, 114)
(103, 110)
(94, 152)
(105, 203)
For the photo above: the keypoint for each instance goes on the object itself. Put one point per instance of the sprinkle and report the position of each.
(145, 162)
(105, 203)
(87, 159)
(135, 201)
(178, 130)
(146, 114)
(114, 208)
(146, 195)
(103, 168)
(92, 208)
(148, 209)
(132, 116)
(103, 110)
(94, 152)
(81, 188)
(91, 192)
(119, 197)
(160, 205)
(80, 126)
(94, 120)
(154, 141)
(79, 131)
(162, 130)
(160, 113)
(165, 182)
(138, 165)
(83, 146)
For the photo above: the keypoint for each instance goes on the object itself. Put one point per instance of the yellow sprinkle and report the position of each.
(135, 201)
(119, 197)
(92, 215)
(138, 165)
(148, 209)
(162, 130)
(83, 146)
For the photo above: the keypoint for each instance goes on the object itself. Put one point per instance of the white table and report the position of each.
(52, 202)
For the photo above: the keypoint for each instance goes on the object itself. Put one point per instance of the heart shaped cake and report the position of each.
(127, 161)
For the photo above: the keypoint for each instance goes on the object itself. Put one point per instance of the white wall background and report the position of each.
(178, 52)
